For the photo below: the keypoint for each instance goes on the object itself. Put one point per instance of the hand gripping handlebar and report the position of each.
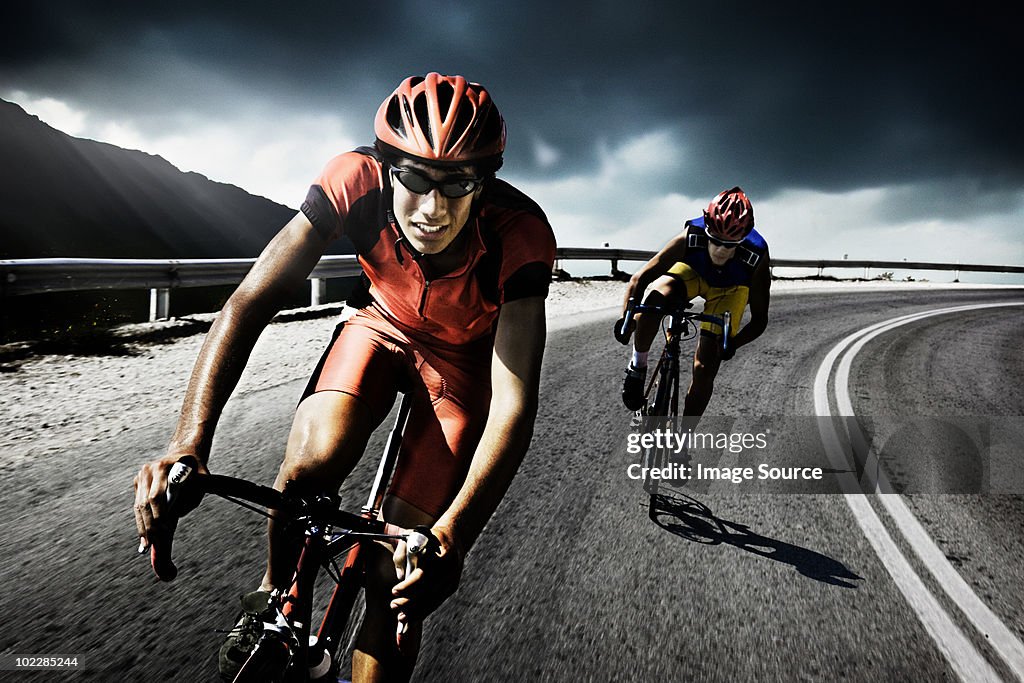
(416, 544)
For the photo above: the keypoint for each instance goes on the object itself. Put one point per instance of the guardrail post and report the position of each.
(317, 291)
(159, 304)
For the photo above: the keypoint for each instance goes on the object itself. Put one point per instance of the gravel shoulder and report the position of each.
(49, 401)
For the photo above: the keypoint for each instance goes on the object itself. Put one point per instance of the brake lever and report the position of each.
(416, 544)
(622, 331)
(180, 471)
(184, 490)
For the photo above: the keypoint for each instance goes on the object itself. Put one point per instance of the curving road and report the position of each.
(572, 581)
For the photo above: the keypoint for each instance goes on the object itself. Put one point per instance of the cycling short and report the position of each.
(372, 359)
(717, 300)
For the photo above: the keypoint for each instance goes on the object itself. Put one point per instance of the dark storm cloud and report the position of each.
(828, 96)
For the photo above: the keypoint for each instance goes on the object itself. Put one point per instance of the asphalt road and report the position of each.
(571, 580)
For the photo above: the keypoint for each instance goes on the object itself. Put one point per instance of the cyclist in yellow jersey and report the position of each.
(720, 257)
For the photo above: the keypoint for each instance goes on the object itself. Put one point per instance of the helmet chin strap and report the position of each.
(413, 251)
(402, 239)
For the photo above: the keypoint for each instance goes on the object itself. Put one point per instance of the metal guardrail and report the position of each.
(894, 265)
(615, 255)
(35, 276)
(602, 254)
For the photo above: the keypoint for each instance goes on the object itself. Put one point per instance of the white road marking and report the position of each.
(966, 660)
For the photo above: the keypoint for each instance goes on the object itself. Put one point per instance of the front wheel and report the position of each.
(267, 663)
(664, 408)
(347, 639)
(344, 615)
(665, 405)
(666, 401)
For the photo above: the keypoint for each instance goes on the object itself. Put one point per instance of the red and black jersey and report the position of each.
(510, 254)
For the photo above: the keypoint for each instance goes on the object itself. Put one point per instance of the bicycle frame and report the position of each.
(287, 635)
(666, 400)
(666, 375)
(352, 573)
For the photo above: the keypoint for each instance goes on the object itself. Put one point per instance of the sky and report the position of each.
(865, 130)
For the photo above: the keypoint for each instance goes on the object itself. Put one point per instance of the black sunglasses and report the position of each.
(452, 187)
(723, 243)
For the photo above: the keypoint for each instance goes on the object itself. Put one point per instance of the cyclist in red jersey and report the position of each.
(445, 247)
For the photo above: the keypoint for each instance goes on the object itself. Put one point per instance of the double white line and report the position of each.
(965, 659)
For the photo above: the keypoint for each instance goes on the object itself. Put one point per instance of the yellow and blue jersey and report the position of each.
(737, 271)
(723, 288)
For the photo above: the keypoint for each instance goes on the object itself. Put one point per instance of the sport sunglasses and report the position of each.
(452, 187)
(723, 243)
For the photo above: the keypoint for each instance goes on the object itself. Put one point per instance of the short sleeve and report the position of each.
(528, 256)
(345, 181)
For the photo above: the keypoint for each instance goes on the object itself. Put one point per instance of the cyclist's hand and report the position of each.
(435, 578)
(619, 336)
(154, 522)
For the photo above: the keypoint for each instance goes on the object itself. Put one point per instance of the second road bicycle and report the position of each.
(662, 395)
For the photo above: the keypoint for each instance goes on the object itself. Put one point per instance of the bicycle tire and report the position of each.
(666, 389)
(666, 406)
(268, 663)
(343, 617)
(342, 657)
(654, 457)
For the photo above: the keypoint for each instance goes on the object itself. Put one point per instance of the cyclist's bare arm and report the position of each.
(515, 385)
(670, 254)
(280, 269)
(760, 295)
(515, 382)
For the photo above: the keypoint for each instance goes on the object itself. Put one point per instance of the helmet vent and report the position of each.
(419, 106)
(408, 114)
(394, 116)
(463, 121)
(445, 93)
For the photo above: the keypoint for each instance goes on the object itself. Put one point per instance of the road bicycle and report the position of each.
(661, 397)
(287, 651)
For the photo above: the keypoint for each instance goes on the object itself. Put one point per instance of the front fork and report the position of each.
(294, 610)
(339, 609)
(726, 329)
(298, 606)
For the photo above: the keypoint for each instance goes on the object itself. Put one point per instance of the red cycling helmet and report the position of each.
(730, 216)
(441, 119)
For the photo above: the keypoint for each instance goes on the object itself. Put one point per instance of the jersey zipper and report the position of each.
(426, 283)
(423, 298)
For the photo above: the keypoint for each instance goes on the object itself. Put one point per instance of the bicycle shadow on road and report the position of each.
(694, 521)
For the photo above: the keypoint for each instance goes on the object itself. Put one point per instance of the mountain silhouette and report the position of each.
(62, 196)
